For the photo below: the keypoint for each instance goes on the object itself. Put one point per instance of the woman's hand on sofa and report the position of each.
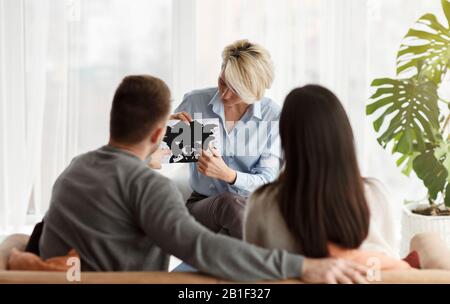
(333, 271)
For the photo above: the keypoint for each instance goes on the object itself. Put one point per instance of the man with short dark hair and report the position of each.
(120, 215)
(139, 104)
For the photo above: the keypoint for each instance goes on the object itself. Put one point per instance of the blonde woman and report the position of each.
(250, 156)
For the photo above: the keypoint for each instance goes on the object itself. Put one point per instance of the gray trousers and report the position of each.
(223, 213)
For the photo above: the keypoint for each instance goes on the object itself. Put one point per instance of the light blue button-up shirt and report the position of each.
(251, 148)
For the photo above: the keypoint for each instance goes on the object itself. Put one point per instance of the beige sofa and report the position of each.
(37, 277)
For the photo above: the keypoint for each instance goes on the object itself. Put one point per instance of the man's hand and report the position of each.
(333, 271)
(213, 166)
(183, 116)
(155, 161)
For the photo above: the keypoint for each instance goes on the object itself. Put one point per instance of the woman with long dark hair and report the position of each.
(320, 205)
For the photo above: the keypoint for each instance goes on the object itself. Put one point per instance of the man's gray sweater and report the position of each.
(120, 215)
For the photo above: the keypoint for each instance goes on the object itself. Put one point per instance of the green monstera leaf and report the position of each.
(407, 113)
(410, 114)
(442, 154)
(432, 167)
(431, 172)
(426, 45)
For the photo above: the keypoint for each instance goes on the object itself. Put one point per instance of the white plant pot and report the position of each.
(413, 224)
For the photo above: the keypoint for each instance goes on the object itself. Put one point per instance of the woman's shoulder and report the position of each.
(265, 225)
(270, 109)
(377, 197)
(374, 188)
(372, 182)
(196, 100)
(267, 193)
(263, 201)
(205, 94)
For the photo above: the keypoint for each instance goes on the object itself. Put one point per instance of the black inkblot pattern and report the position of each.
(185, 141)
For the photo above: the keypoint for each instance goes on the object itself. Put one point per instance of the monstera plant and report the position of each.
(411, 117)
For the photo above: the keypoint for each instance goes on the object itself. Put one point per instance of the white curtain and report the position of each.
(23, 28)
(59, 142)
(60, 62)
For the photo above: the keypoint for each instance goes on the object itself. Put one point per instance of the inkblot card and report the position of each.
(186, 140)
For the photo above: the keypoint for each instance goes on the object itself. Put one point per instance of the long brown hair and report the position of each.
(321, 189)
